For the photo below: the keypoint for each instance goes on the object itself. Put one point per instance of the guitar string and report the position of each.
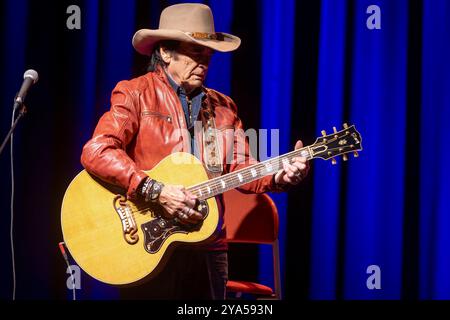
(231, 178)
(217, 185)
(246, 172)
(247, 176)
(248, 169)
(217, 182)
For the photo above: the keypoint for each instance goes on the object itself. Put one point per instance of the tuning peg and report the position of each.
(334, 129)
(324, 133)
(345, 125)
(355, 154)
(344, 157)
(333, 161)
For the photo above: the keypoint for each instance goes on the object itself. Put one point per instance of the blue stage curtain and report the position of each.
(330, 95)
(359, 216)
(434, 153)
(13, 63)
(277, 50)
(375, 188)
(219, 74)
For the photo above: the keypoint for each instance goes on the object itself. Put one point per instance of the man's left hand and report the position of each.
(294, 172)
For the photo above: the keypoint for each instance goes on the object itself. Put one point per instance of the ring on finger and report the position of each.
(298, 174)
(182, 215)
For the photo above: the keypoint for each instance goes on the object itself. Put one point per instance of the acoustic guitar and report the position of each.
(121, 242)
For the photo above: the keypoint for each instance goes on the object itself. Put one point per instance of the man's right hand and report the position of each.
(179, 203)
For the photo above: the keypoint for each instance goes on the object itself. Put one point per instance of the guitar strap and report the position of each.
(212, 154)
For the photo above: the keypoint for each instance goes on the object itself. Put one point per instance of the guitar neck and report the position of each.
(232, 180)
(325, 147)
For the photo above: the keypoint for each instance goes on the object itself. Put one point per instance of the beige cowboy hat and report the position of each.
(187, 22)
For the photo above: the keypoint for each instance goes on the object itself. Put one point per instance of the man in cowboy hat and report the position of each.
(155, 114)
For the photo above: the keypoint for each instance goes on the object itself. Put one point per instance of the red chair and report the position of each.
(253, 218)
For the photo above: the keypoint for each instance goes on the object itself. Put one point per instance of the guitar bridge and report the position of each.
(129, 227)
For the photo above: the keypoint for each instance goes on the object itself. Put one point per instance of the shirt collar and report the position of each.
(178, 89)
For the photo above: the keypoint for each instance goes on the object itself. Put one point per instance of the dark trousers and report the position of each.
(190, 274)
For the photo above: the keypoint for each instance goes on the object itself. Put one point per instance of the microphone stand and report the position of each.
(22, 112)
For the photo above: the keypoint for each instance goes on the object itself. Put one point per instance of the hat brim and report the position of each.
(145, 39)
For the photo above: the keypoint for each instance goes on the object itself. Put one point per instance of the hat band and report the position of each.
(205, 35)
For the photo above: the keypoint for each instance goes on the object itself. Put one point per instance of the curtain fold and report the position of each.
(434, 153)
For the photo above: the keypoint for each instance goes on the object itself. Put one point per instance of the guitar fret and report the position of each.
(328, 144)
(232, 180)
(304, 153)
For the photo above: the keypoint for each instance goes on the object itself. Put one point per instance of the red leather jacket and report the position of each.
(140, 129)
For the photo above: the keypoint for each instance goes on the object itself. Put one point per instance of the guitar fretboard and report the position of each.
(232, 180)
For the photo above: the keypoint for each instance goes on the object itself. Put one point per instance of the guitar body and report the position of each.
(109, 237)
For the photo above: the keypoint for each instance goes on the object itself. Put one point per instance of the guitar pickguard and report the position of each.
(158, 230)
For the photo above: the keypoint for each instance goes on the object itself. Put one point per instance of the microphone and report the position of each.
(30, 77)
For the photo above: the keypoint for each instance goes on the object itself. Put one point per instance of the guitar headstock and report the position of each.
(338, 143)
